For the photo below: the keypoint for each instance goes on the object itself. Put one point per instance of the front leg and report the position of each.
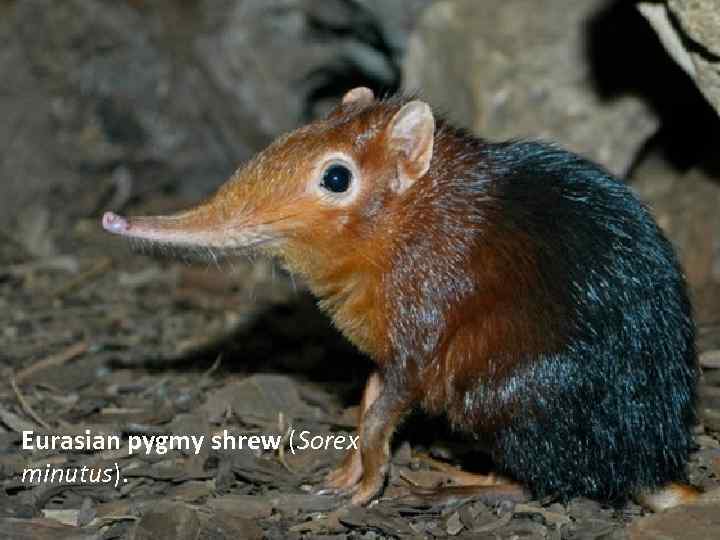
(347, 475)
(379, 423)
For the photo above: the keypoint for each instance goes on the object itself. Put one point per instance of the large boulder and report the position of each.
(690, 32)
(519, 68)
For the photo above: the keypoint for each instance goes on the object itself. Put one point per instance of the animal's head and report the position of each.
(315, 194)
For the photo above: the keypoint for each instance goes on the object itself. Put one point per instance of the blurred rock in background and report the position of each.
(129, 97)
(512, 68)
(690, 31)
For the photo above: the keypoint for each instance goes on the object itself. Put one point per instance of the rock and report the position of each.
(710, 359)
(506, 69)
(710, 418)
(690, 522)
(25, 108)
(298, 58)
(228, 525)
(700, 19)
(690, 32)
(94, 89)
(43, 529)
(250, 507)
(396, 19)
(261, 398)
(168, 521)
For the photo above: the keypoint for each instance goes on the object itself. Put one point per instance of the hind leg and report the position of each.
(463, 478)
(668, 496)
(489, 488)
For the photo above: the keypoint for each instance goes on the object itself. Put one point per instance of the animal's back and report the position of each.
(594, 393)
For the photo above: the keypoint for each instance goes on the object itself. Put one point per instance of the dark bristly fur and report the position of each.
(610, 411)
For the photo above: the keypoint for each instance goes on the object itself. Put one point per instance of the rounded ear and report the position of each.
(411, 136)
(360, 95)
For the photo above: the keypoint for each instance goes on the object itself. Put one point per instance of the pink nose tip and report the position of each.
(113, 223)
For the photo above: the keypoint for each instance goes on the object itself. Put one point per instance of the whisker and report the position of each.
(214, 257)
(294, 285)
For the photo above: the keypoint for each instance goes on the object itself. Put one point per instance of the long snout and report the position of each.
(187, 228)
(203, 226)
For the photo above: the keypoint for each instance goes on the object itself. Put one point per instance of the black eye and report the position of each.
(336, 178)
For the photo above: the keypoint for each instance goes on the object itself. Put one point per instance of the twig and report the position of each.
(283, 441)
(84, 277)
(409, 481)
(54, 360)
(16, 422)
(126, 517)
(26, 406)
(212, 369)
(150, 390)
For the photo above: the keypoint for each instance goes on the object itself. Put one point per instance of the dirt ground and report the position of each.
(97, 337)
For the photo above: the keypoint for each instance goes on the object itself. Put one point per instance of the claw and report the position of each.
(347, 475)
(366, 493)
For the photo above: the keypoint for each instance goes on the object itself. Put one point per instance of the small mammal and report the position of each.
(516, 287)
